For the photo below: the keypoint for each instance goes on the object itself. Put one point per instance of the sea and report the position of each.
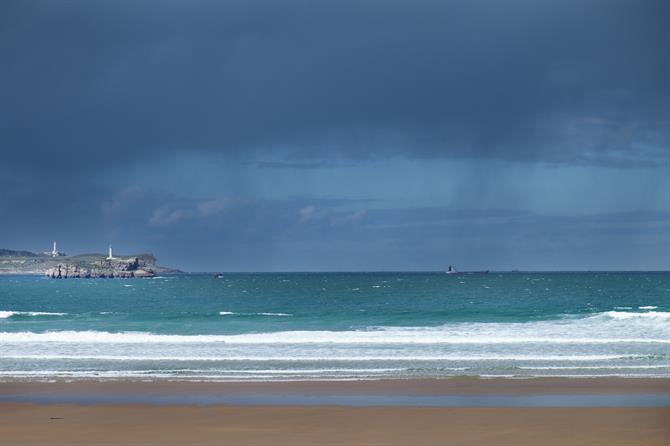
(336, 326)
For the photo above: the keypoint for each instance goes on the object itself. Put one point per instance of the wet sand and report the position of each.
(451, 386)
(25, 424)
(177, 424)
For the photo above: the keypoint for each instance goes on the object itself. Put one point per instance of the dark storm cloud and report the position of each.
(87, 84)
(251, 98)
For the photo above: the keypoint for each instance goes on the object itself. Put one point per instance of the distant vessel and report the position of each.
(452, 270)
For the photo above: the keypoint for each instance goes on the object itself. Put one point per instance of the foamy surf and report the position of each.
(313, 326)
(609, 342)
(335, 358)
(611, 327)
(232, 313)
(8, 314)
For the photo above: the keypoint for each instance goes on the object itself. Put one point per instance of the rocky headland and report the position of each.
(80, 266)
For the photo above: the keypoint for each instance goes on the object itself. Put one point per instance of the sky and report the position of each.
(291, 135)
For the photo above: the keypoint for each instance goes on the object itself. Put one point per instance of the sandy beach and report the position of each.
(26, 424)
(56, 423)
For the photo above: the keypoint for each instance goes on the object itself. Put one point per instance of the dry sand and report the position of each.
(66, 424)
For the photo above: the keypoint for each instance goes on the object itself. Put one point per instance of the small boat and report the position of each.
(218, 276)
(452, 270)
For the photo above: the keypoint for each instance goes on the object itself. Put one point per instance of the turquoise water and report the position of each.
(336, 326)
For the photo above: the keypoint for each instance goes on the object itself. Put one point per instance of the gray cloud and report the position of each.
(93, 84)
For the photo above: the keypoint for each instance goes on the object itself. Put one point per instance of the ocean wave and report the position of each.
(598, 367)
(231, 313)
(314, 358)
(200, 372)
(612, 327)
(626, 315)
(308, 337)
(8, 314)
(51, 376)
(574, 375)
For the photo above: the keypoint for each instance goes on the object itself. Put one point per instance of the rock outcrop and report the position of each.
(13, 262)
(105, 268)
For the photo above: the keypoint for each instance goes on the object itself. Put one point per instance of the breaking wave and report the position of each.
(8, 314)
(612, 327)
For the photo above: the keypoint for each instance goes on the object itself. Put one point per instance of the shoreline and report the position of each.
(212, 391)
(456, 385)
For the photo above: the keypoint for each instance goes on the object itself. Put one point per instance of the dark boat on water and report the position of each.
(452, 270)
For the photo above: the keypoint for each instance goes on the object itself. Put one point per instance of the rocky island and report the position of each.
(57, 265)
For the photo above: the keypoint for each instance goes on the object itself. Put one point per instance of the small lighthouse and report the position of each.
(110, 257)
(54, 252)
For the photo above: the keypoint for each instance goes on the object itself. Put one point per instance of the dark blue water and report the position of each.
(337, 326)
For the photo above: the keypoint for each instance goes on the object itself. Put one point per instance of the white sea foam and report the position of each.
(612, 327)
(8, 314)
(231, 313)
(622, 315)
(216, 376)
(599, 367)
(198, 372)
(391, 336)
(312, 358)
(613, 342)
(594, 375)
(49, 375)
(647, 307)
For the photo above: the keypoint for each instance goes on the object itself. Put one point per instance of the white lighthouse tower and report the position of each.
(54, 251)
(110, 257)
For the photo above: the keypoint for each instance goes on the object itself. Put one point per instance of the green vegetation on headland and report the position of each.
(80, 266)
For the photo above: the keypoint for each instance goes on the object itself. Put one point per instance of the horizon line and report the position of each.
(465, 272)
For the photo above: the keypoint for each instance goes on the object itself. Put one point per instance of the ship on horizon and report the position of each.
(452, 270)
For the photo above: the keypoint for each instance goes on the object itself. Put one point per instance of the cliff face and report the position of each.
(80, 266)
(115, 268)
